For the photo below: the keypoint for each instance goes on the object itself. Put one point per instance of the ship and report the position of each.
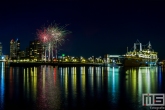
(143, 56)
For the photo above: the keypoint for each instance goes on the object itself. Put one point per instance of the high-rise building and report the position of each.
(18, 46)
(0, 49)
(18, 49)
(35, 50)
(14, 48)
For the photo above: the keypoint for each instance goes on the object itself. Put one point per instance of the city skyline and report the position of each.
(97, 28)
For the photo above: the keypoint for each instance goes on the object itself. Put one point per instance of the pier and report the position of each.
(54, 64)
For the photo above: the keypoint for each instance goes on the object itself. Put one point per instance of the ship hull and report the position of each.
(139, 62)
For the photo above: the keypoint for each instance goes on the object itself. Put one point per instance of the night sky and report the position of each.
(97, 28)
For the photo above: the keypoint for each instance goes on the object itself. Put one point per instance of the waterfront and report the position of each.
(52, 88)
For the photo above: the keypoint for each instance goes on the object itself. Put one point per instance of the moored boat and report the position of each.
(140, 57)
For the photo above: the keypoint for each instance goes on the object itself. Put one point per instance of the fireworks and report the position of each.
(52, 37)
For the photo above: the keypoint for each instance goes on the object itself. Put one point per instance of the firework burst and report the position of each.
(52, 37)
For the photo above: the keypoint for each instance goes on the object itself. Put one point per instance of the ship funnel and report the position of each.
(140, 46)
(134, 46)
(149, 45)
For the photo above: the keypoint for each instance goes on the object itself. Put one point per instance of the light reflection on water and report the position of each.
(49, 87)
(2, 85)
(113, 87)
(142, 80)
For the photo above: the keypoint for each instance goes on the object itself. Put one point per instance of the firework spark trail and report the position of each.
(52, 37)
(44, 39)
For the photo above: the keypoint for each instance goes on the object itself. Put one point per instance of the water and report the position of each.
(77, 88)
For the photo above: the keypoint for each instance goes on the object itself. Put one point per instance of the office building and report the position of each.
(34, 52)
(14, 49)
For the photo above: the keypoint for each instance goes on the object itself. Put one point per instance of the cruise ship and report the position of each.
(144, 56)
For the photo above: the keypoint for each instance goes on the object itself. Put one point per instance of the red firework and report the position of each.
(43, 36)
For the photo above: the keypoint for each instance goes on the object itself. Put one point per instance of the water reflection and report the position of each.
(30, 83)
(48, 87)
(113, 81)
(2, 85)
(49, 91)
(82, 85)
(73, 86)
(11, 84)
(98, 79)
(91, 81)
(141, 80)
